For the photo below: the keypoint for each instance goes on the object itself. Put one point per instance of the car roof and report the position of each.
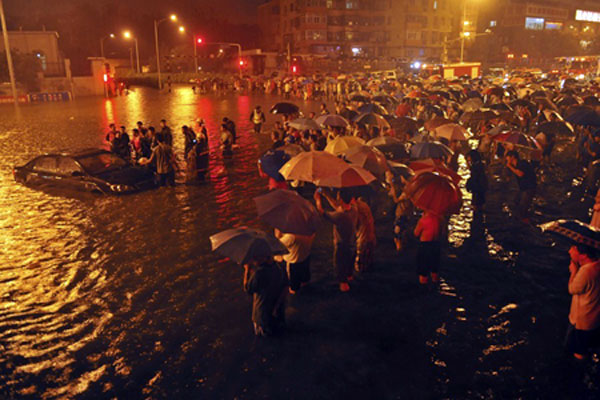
(79, 153)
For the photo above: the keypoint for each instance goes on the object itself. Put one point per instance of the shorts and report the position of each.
(428, 258)
(580, 341)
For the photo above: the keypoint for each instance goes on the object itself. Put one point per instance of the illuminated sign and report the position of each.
(534, 23)
(589, 16)
(554, 25)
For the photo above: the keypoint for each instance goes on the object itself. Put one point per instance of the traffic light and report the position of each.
(294, 69)
(199, 40)
(242, 63)
(105, 77)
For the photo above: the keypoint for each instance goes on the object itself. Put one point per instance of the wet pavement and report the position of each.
(120, 297)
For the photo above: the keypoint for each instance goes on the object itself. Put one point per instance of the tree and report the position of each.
(26, 67)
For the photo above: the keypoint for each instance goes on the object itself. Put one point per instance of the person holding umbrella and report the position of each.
(527, 183)
(583, 332)
(344, 218)
(263, 279)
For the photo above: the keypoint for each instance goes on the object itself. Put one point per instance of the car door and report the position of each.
(43, 171)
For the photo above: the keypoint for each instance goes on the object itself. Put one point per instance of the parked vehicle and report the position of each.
(93, 170)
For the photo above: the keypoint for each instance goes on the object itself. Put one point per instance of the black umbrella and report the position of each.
(574, 231)
(285, 108)
(582, 116)
(372, 108)
(403, 124)
(567, 101)
(288, 212)
(556, 128)
(372, 119)
(501, 107)
(349, 114)
(591, 101)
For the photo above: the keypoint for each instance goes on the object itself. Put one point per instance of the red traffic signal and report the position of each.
(199, 40)
(294, 68)
(241, 63)
(105, 77)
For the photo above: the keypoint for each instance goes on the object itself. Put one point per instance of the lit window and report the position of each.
(492, 23)
(435, 4)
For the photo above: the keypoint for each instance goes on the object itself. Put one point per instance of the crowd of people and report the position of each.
(510, 127)
(536, 121)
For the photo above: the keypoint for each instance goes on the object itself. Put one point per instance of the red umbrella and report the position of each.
(415, 94)
(432, 165)
(434, 192)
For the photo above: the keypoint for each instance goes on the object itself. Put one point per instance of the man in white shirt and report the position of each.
(297, 259)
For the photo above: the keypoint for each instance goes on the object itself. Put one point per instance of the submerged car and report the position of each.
(93, 170)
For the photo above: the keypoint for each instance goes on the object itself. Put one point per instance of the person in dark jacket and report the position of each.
(268, 285)
(527, 181)
(478, 182)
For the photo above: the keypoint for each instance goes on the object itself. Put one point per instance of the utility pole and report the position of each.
(11, 71)
(462, 41)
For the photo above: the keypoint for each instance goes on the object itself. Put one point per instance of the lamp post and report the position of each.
(128, 35)
(463, 33)
(11, 71)
(172, 17)
(111, 36)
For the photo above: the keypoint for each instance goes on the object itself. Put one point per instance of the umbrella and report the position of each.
(288, 212)
(291, 149)
(451, 132)
(581, 115)
(332, 120)
(342, 143)
(474, 117)
(518, 139)
(402, 170)
(574, 231)
(567, 101)
(360, 97)
(545, 102)
(436, 122)
(591, 101)
(415, 94)
(272, 161)
(285, 108)
(372, 119)
(501, 107)
(372, 108)
(351, 176)
(369, 158)
(243, 245)
(310, 166)
(556, 128)
(498, 129)
(348, 114)
(496, 91)
(433, 192)
(432, 165)
(473, 104)
(430, 150)
(522, 103)
(403, 124)
(385, 99)
(393, 148)
(304, 124)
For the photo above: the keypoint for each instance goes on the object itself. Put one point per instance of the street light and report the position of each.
(181, 29)
(127, 35)
(173, 18)
(111, 36)
(11, 71)
(464, 34)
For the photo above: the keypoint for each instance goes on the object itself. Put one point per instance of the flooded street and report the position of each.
(120, 297)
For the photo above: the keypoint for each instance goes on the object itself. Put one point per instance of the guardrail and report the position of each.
(38, 97)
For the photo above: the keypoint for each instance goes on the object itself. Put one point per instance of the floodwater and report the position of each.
(120, 297)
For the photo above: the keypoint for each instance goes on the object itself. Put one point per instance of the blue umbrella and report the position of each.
(575, 231)
(272, 161)
(424, 150)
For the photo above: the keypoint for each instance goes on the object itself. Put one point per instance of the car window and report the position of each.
(45, 164)
(67, 166)
(99, 163)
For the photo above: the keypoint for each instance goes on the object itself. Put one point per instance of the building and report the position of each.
(552, 28)
(369, 29)
(44, 44)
